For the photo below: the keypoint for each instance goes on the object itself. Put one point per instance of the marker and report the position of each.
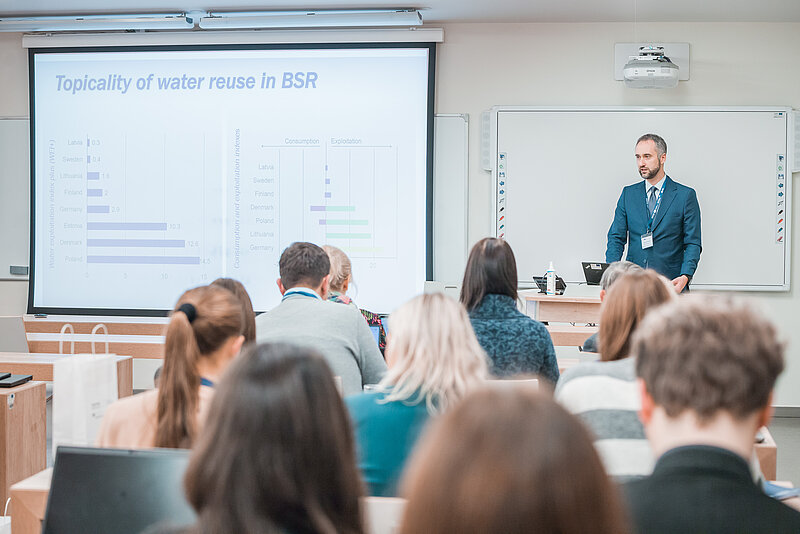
(780, 238)
(503, 217)
(780, 212)
(780, 221)
(501, 209)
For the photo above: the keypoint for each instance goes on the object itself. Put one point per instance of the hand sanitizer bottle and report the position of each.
(550, 277)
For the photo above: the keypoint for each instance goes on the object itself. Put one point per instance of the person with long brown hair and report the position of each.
(515, 343)
(508, 460)
(604, 393)
(237, 288)
(203, 336)
(276, 454)
(434, 360)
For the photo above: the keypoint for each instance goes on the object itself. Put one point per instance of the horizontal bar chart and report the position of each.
(98, 209)
(343, 222)
(94, 192)
(168, 243)
(145, 260)
(337, 235)
(92, 175)
(333, 208)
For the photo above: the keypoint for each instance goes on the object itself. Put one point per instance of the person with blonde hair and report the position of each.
(604, 393)
(203, 336)
(341, 275)
(512, 461)
(434, 359)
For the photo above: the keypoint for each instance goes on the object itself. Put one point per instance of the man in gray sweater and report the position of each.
(304, 317)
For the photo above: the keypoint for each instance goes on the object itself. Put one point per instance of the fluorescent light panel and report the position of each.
(139, 21)
(311, 19)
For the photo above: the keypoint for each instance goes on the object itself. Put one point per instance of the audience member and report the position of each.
(707, 368)
(304, 317)
(604, 393)
(341, 276)
(511, 461)
(610, 275)
(277, 453)
(515, 343)
(203, 336)
(236, 287)
(434, 359)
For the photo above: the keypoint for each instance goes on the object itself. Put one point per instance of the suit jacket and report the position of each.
(676, 229)
(705, 490)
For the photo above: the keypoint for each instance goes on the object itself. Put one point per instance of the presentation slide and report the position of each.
(158, 171)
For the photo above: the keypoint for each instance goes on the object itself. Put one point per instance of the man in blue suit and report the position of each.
(658, 218)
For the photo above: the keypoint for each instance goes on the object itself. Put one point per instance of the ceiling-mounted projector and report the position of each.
(651, 69)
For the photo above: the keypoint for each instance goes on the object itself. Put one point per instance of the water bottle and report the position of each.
(550, 277)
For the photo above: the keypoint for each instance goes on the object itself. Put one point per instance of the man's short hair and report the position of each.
(303, 264)
(708, 354)
(615, 270)
(661, 145)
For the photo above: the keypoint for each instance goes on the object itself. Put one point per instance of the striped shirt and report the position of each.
(604, 395)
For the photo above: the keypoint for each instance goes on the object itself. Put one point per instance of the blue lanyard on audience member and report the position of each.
(206, 382)
(299, 292)
(655, 210)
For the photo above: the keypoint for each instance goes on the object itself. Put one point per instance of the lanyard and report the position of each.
(299, 292)
(206, 382)
(655, 210)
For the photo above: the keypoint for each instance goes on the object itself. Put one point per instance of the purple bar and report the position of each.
(327, 181)
(317, 208)
(172, 243)
(323, 222)
(88, 159)
(145, 260)
(126, 226)
(94, 192)
(92, 175)
(327, 195)
(98, 209)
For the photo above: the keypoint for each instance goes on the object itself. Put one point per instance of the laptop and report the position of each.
(12, 334)
(116, 490)
(593, 272)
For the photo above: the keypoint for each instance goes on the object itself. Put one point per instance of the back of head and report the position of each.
(303, 264)
(433, 354)
(204, 319)
(491, 269)
(236, 287)
(625, 306)
(341, 269)
(276, 454)
(707, 354)
(508, 460)
(615, 271)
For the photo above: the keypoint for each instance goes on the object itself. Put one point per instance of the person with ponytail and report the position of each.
(203, 336)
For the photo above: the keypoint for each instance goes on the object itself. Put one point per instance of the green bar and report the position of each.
(340, 208)
(348, 236)
(346, 222)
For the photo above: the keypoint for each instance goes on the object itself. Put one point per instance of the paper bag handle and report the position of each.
(64, 328)
(94, 331)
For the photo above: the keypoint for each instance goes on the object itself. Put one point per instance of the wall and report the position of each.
(481, 65)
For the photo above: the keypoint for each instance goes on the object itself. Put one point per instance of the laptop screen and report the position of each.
(115, 490)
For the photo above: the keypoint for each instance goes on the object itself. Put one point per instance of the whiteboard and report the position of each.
(565, 169)
(450, 178)
(14, 196)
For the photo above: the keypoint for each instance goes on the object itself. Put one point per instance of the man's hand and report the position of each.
(680, 282)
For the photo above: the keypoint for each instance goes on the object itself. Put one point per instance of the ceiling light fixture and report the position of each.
(138, 21)
(333, 18)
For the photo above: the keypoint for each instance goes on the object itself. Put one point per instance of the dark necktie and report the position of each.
(651, 202)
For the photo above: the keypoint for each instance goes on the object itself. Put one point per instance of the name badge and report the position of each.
(647, 240)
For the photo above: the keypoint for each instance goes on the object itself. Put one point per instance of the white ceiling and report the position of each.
(440, 11)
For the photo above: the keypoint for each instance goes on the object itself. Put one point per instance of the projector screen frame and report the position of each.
(137, 312)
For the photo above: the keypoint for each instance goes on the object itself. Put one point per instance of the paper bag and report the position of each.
(84, 386)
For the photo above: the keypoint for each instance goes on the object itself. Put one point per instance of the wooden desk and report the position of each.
(566, 335)
(563, 308)
(767, 453)
(23, 436)
(41, 367)
(29, 502)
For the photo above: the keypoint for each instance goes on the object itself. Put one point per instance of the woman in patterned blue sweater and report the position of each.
(515, 343)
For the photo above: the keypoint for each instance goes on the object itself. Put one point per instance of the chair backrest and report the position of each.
(383, 514)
